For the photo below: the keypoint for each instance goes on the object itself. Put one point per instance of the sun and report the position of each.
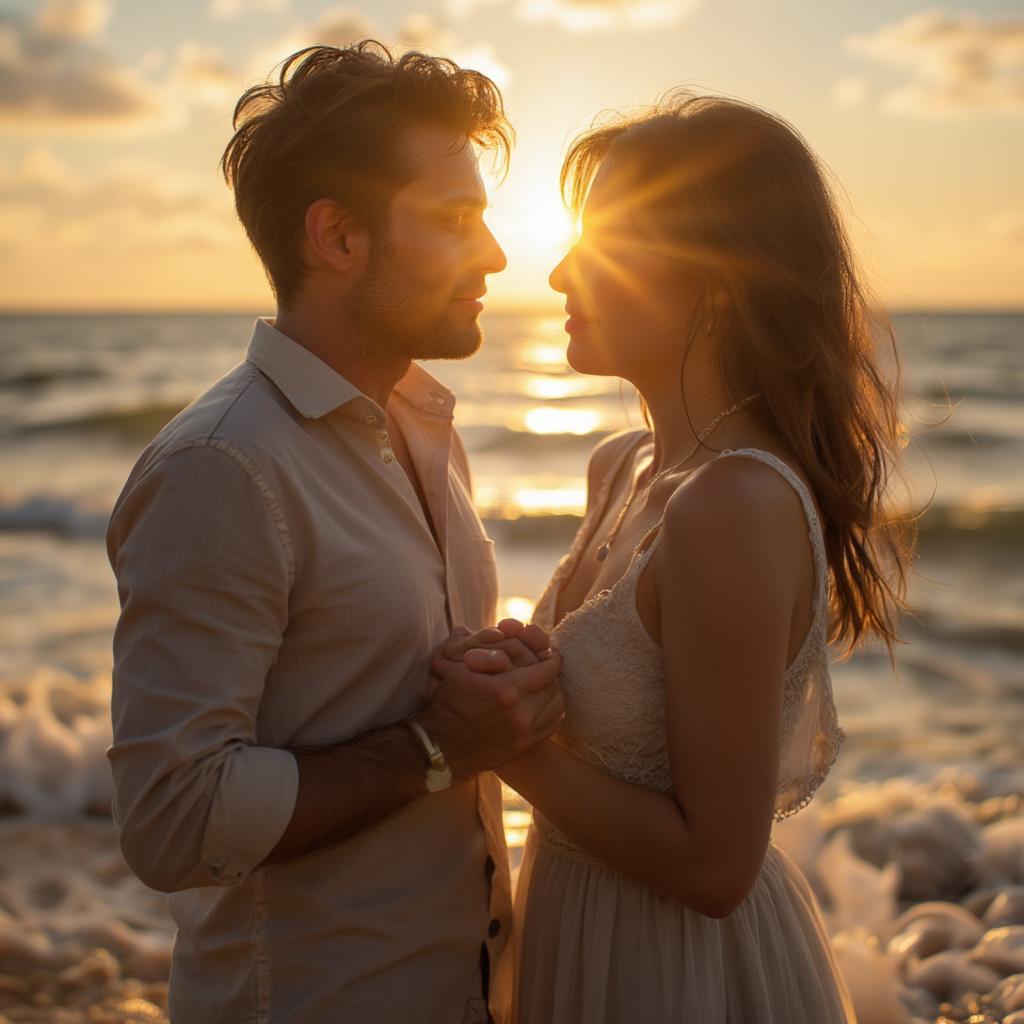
(530, 220)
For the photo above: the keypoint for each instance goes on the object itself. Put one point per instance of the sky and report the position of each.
(114, 114)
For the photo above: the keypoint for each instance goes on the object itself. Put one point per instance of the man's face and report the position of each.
(417, 297)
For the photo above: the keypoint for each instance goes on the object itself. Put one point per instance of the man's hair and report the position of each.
(331, 126)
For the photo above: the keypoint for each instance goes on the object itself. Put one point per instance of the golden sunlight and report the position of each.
(542, 220)
(530, 497)
(551, 501)
(548, 388)
(520, 608)
(517, 823)
(530, 215)
(543, 355)
(545, 420)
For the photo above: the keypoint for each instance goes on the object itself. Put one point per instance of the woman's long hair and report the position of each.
(739, 198)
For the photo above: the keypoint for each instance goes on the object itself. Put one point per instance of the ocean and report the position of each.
(80, 396)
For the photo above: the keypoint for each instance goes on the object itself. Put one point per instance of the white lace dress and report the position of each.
(594, 947)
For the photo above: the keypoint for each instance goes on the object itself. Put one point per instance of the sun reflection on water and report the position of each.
(520, 608)
(553, 420)
(517, 823)
(543, 354)
(551, 500)
(556, 387)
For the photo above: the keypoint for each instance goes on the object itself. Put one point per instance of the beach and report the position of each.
(915, 843)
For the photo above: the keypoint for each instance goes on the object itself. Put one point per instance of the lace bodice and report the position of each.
(613, 679)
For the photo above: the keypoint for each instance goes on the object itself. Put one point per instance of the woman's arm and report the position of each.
(727, 578)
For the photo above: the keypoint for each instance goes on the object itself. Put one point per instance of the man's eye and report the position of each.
(458, 221)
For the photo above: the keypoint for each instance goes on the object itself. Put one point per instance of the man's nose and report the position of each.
(490, 257)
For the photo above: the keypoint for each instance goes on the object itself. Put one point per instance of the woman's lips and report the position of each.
(576, 323)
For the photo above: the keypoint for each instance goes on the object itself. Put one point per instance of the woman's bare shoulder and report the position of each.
(739, 502)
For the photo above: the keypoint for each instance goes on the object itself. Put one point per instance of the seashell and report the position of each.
(1001, 858)
(950, 975)
(1008, 995)
(921, 939)
(1006, 908)
(980, 900)
(920, 1002)
(1002, 949)
(935, 849)
(932, 838)
(962, 928)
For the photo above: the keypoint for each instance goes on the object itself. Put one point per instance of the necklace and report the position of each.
(606, 546)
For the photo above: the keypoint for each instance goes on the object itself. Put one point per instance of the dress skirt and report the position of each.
(594, 947)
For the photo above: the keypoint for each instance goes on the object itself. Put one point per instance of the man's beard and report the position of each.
(392, 321)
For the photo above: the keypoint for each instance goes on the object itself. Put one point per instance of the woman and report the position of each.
(719, 553)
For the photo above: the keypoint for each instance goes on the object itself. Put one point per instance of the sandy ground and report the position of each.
(81, 939)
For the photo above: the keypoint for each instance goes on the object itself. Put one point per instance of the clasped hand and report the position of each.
(492, 695)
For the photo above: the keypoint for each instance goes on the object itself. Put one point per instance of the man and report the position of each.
(292, 549)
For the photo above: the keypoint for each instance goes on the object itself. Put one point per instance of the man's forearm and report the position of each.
(350, 786)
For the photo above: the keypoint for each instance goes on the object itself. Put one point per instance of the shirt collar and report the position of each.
(315, 389)
(424, 391)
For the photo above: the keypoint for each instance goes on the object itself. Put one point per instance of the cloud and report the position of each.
(957, 63)
(340, 26)
(133, 205)
(72, 19)
(850, 92)
(225, 9)
(53, 75)
(589, 15)
(204, 75)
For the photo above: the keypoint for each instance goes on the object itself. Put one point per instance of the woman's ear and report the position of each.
(716, 308)
(335, 238)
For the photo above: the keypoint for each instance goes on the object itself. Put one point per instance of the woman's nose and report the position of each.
(557, 277)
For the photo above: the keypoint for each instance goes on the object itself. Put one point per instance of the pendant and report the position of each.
(602, 552)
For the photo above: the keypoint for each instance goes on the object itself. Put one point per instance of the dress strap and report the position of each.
(814, 531)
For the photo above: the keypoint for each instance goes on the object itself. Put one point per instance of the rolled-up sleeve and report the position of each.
(204, 565)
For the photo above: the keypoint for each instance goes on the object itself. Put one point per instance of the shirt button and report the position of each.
(387, 455)
(494, 927)
(371, 420)
(383, 438)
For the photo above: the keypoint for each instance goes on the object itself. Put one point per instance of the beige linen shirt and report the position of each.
(280, 586)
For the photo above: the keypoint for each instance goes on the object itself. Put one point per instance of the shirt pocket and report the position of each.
(475, 579)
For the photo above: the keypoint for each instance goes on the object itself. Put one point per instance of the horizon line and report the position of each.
(502, 309)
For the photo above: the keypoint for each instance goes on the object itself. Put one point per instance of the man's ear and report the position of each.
(335, 237)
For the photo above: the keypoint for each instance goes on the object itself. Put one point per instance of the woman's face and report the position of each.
(630, 301)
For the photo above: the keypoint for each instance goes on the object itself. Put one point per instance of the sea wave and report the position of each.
(63, 517)
(33, 377)
(137, 423)
(1001, 526)
(72, 517)
(54, 731)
